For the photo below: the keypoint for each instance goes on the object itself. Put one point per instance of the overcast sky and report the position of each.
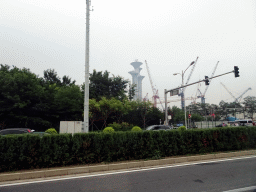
(169, 34)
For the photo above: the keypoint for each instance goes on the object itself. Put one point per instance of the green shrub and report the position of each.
(51, 131)
(136, 128)
(108, 130)
(182, 128)
(121, 126)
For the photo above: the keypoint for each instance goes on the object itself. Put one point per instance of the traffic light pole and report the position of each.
(171, 90)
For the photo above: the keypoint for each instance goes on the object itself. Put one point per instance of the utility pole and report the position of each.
(86, 83)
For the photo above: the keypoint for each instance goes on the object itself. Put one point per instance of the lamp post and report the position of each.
(183, 106)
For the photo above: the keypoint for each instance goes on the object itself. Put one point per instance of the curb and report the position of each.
(118, 166)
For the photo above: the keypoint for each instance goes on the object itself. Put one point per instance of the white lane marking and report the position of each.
(242, 189)
(127, 171)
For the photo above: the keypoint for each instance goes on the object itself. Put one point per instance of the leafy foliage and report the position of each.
(101, 85)
(108, 130)
(250, 104)
(51, 131)
(136, 128)
(182, 128)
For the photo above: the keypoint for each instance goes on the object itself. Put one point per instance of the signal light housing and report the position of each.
(236, 71)
(206, 80)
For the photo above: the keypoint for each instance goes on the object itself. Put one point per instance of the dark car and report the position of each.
(15, 131)
(158, 128)
(222, 125)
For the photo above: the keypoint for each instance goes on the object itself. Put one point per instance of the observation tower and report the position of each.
(137, 79)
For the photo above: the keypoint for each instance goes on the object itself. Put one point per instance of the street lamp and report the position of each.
(183, 106)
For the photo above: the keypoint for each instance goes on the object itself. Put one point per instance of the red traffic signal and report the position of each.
(189, 116)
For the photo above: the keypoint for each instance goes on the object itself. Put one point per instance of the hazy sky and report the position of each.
(169, 34)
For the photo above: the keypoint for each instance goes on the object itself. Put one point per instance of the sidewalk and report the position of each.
(72, 170)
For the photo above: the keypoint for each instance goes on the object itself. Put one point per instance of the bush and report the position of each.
(51, 131)
(136, 128)
(182, 128)
(121, 126)
(108, 130)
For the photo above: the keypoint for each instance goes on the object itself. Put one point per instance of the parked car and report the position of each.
(222, 125)
(15, 131)
(158, 128)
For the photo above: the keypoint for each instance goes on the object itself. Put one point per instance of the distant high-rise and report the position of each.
(137, 79)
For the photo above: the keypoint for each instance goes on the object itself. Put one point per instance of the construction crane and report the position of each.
(202, 95)
(154, 90)
(240, 97)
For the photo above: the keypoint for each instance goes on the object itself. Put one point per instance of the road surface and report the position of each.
(238, 175)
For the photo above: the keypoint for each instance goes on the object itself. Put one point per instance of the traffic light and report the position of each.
(189, 116)
(236, 71)
(206, 80)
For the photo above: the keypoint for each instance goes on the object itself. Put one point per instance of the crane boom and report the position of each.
(228, 90)
(236, 99)
(151, 82)
(211, 77)
(243, 93)
(191, 71)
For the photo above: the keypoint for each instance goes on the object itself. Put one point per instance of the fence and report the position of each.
(209, 124)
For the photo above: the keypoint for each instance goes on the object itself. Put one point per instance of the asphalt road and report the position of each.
(213, 176)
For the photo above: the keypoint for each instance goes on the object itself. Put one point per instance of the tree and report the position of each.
(154, 116)
(101, 85)
(21, 98)
(67, 81)
(107, 107)
(177, 114)
(94, 112)
(131, 91)
(250, 104)
(51, 77)
(144, 108)
(68, 102)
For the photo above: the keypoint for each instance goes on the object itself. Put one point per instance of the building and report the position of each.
(137, 79)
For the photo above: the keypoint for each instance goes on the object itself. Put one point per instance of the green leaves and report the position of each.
(102, 85)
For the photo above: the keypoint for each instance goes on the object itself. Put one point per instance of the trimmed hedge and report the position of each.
(30, 151)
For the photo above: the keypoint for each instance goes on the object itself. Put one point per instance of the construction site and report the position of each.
(199, 96)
